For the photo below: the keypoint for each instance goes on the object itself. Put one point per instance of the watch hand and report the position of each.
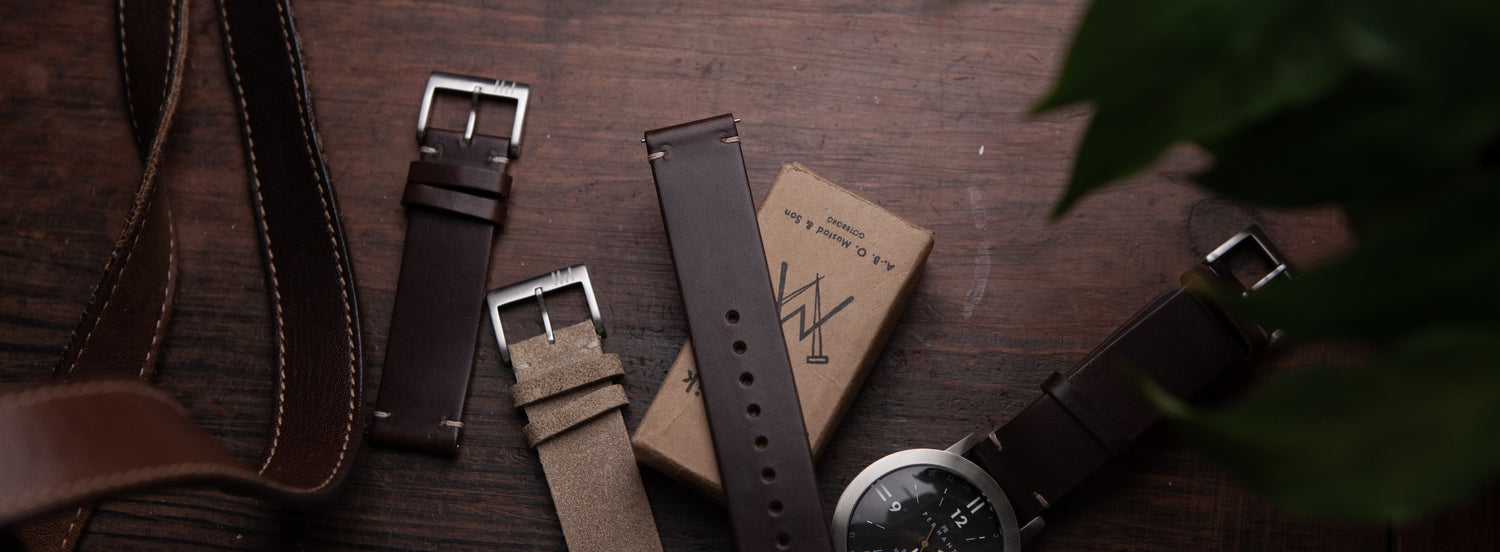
(923, 545)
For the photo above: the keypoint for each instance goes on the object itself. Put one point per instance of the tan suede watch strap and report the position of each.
(566, 385)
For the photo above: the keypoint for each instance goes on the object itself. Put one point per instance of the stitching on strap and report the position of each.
(307, 132)
(139, 207)
(166, 294)
(265, 235)
(89, 336)
(166, 79)
(68, 535)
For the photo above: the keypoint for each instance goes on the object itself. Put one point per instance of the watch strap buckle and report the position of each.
(1280, 268)
(477, 88)
(536, 288)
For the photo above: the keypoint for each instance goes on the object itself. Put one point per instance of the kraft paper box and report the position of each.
(842, 269)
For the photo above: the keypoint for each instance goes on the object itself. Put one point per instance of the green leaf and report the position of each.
(1435, 265)
(1387, 441)
(1129, 49)
(1160, 72)
(1367, 142)
(1416, 110)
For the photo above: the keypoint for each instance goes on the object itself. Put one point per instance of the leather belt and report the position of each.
(1181, 340)
(565, 384)
(100, 429)
(456, 196)
(753, 413)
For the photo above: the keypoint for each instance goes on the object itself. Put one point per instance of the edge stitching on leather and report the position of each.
(333, 238)
(264, 226)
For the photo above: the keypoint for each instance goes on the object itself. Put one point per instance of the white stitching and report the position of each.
(297, 79)
(166, 293)
(143, 202)
(77, 517)
(265, 235)
(166, 79)
(348, 321)
(129, 254)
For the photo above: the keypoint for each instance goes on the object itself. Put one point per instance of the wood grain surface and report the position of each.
(920, 107)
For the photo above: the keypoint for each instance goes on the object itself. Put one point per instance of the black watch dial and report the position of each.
(923, 508)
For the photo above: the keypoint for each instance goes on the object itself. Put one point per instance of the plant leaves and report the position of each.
(1387, 441)
(1162, 71)
(1434, 265)
(1388, 109)
(1363, 144)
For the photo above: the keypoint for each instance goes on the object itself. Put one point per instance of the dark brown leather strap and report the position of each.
(1181, 340)
(753, 412)
(76, 441)
(456, 199)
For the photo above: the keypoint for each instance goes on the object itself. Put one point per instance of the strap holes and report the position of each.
(732, 317)
(768, 475)
(774, 508)
(746, 379)
(761, 442)
(739, 347)
(753, 410)
(784, 541)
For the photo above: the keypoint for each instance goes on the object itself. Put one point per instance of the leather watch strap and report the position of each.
(456, 199)
(753, 412)
(77, 441)
(1181, 340)
(566, 385)
(569, 395)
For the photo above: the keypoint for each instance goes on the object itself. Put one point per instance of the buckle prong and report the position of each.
(535, 288)
(473, 116)
(546, 320)
(477, 88)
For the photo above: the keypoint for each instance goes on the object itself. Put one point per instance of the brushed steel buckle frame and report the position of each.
(477, 88)
(535, 288)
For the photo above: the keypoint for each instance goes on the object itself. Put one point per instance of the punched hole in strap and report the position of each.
(1095, 421)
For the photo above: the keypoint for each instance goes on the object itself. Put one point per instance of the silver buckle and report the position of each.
(476, 87)
(1279, 266)
(535, 288)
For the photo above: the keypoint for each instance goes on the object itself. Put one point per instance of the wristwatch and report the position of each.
(988, 491)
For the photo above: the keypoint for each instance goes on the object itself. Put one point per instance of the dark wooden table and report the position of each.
(920, 107)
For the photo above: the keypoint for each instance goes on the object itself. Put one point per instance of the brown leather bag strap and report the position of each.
(101, 431)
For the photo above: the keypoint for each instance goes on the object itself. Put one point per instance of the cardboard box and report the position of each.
(842, 269)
